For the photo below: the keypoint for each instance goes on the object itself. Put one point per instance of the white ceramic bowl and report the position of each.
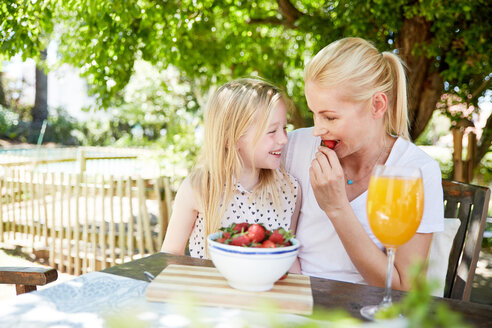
(251, 269)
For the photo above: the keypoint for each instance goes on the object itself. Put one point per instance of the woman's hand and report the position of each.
(328, 181)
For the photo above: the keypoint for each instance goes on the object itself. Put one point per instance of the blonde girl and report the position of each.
(359, 103)
(238, 177)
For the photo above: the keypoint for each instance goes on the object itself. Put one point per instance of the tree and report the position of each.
(39, 112)
(25, 29)
(445, 43)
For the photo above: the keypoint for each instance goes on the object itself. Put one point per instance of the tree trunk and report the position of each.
(464, 170)
(39, 112)
(3, 100)
(484, 145)
(425, 85)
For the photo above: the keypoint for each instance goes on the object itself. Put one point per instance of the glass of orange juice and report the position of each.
(395, 203)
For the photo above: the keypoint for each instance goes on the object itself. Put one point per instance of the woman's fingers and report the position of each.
(316, 167)
(332, 158)
(319, 175)
(327, 179)
(328, 163)
(322, 163)
(321, 169)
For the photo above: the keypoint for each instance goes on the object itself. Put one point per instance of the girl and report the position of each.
(239, 178)
(359, 104)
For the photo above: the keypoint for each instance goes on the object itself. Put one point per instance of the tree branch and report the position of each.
(479, 90)
(485, 141)
(268, 20)
(288, 11)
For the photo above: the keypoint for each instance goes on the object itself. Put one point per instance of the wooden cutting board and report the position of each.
(207, 287)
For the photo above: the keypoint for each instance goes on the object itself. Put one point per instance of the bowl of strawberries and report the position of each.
(251, 257)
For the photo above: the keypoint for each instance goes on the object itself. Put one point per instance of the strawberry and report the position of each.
(221, 240)
(280, 236)
(227, 231)
(256, 233)
(226, 235)
(284, 276)
(268, 244)
(240, 239)
(329, 143)
(240, 227)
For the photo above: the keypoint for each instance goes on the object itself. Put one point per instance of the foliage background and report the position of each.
(150, 64)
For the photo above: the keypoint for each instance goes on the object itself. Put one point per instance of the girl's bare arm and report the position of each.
(183, 217)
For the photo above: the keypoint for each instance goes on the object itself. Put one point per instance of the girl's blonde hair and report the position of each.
(232, 109)
(362, 70)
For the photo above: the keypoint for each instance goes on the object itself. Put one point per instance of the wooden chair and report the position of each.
(27, 278)
(469, 203)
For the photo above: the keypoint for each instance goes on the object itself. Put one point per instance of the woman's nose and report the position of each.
(318, 130)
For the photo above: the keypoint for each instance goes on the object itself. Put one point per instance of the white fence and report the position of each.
(83, 222)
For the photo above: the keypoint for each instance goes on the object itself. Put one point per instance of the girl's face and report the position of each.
(347, 124)
(269, 147)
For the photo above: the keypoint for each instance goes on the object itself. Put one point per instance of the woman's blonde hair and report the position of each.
(362, 70)
(230, 112)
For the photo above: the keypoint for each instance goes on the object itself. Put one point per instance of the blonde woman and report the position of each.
(239, 177)
(359, 103)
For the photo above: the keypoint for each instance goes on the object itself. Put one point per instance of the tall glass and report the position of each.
(395, 203)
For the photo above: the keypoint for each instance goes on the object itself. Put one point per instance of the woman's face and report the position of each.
(347, 124)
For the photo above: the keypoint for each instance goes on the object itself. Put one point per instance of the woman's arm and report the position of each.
(296, 267)
(417, 248)
(369, 260)
(184, 214)
(327, 180)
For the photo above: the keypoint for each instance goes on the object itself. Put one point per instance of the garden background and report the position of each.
(146, 69)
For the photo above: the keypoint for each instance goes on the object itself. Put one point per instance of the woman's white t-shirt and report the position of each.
(322, 253)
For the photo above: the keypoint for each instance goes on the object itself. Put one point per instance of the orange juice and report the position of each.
(394, 208)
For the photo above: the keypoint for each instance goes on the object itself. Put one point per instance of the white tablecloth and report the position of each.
(104, 300)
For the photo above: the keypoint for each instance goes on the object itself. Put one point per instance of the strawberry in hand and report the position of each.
(329, 143)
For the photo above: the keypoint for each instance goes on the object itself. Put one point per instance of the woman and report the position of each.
(359, 104)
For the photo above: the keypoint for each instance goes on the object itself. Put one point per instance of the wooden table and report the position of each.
(328, 294)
